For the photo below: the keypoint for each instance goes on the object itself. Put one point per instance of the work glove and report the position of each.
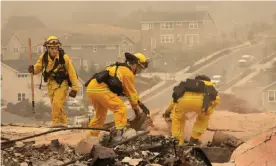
(31, 69)
(73, 93)
(166, 116)
(137, 112)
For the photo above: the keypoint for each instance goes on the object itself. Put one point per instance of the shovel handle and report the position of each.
(32, 75)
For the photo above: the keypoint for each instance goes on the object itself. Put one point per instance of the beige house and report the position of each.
(11, 46)
(269, 97)
(176, 30)
(14, 44)
(16, 83)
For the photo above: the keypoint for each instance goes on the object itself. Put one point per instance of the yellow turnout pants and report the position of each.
(191, 102)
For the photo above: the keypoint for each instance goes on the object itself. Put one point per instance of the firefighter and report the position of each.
(105, 87)
(58, 71)
(192, 101)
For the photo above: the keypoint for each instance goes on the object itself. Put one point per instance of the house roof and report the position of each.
(268, 86)
(78, 39)
(6, 36)
(20, 65)
(24, 22)
(103, 29)
(37, 35)
(174, 16)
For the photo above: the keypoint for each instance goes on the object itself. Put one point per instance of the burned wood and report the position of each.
(3, 144)
(78, 159)
(224, 130)
(5, 139)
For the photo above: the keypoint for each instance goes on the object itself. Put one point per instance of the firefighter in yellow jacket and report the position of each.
(192, 102)
(58, 71)
(105, 87)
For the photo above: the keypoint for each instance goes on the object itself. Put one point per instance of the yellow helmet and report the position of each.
(137, 58)
(52, 41)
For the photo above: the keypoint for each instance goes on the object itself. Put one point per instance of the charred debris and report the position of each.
(140, 149)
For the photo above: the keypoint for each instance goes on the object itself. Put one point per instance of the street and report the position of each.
(228, 63)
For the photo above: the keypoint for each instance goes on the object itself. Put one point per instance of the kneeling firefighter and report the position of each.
(194, 95)
(105, 87)
(59, 73)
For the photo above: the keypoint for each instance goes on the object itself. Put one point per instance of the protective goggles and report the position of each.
(144, 65)
(52, 43)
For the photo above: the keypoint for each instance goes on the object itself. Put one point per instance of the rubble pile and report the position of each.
(29, 154)
(143, 151)
(232, 103)
(156, 150)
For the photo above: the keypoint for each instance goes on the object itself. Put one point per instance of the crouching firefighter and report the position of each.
(59, 73)
(105, 87)
(194, 95)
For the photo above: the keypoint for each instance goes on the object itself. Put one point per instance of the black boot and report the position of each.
(194, 142)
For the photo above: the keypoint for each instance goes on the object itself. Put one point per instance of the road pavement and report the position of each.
(229, 63)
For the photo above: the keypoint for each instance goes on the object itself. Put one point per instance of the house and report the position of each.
(14, 43)
(16, 84)
(11, 46)
(96, 51)
(176, 30)
(269, 97)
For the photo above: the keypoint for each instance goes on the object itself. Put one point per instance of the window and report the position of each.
(164, 26)
(15, 50)
(167, 39)
(271, 96)
(193, 25)
(145, 26)
(110, 47)
(192, 39)
(21, 96)
(130, 48)
(95, 49)
(85, 65)
(97, 66)
(22, 75)
(123, 48)
(151, 26)
(178, 23)
(76, 47)
(39, 49)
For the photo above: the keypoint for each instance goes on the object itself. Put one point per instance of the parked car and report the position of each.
(248, 58)
(72, 102)
(242, 63)
(245, 60)
(216, 79)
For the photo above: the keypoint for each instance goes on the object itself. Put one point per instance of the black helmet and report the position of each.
(202, 77)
